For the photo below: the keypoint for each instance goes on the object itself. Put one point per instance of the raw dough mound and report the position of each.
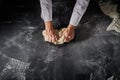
(61, 39)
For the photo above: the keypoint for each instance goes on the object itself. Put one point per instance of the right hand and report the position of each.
(50, 34)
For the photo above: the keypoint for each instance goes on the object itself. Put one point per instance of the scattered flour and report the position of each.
(53, 54)
(14, 67)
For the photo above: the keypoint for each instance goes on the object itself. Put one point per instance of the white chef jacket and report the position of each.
(78, 11)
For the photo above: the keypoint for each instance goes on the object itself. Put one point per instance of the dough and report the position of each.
(61, 38)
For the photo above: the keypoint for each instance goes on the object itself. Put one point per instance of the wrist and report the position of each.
(48, 25)
(71, 26)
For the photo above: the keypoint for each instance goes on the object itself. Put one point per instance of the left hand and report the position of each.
(69, 33)
(50, 34)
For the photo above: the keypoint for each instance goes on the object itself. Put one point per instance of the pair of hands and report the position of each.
(52, 35)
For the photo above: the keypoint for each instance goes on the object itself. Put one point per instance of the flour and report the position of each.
(14, 41)
(20, 39)
(14, 67)
(53, 54)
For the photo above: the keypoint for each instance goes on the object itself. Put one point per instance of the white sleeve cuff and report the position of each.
(78, 11)
(46, 10)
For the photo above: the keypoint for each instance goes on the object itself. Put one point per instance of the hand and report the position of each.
(69, 33)
(50, 34)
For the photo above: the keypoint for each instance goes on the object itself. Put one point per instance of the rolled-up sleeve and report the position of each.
(46, 10)
(78, 11)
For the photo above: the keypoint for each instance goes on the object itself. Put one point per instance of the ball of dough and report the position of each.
(61, 37)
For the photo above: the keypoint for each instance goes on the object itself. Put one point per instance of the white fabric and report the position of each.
(46, 10)
(78, 11)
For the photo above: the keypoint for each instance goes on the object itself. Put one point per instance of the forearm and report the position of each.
(78, 11)
(46, 10)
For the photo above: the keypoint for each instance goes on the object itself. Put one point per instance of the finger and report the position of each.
(66, 34)
(50, 36)
(69, 37)
(53, 40)
(66, 39)
(49, 40)
(56, 37)
(46, 39)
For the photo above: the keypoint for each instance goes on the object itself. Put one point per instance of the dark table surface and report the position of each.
(94, 54)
